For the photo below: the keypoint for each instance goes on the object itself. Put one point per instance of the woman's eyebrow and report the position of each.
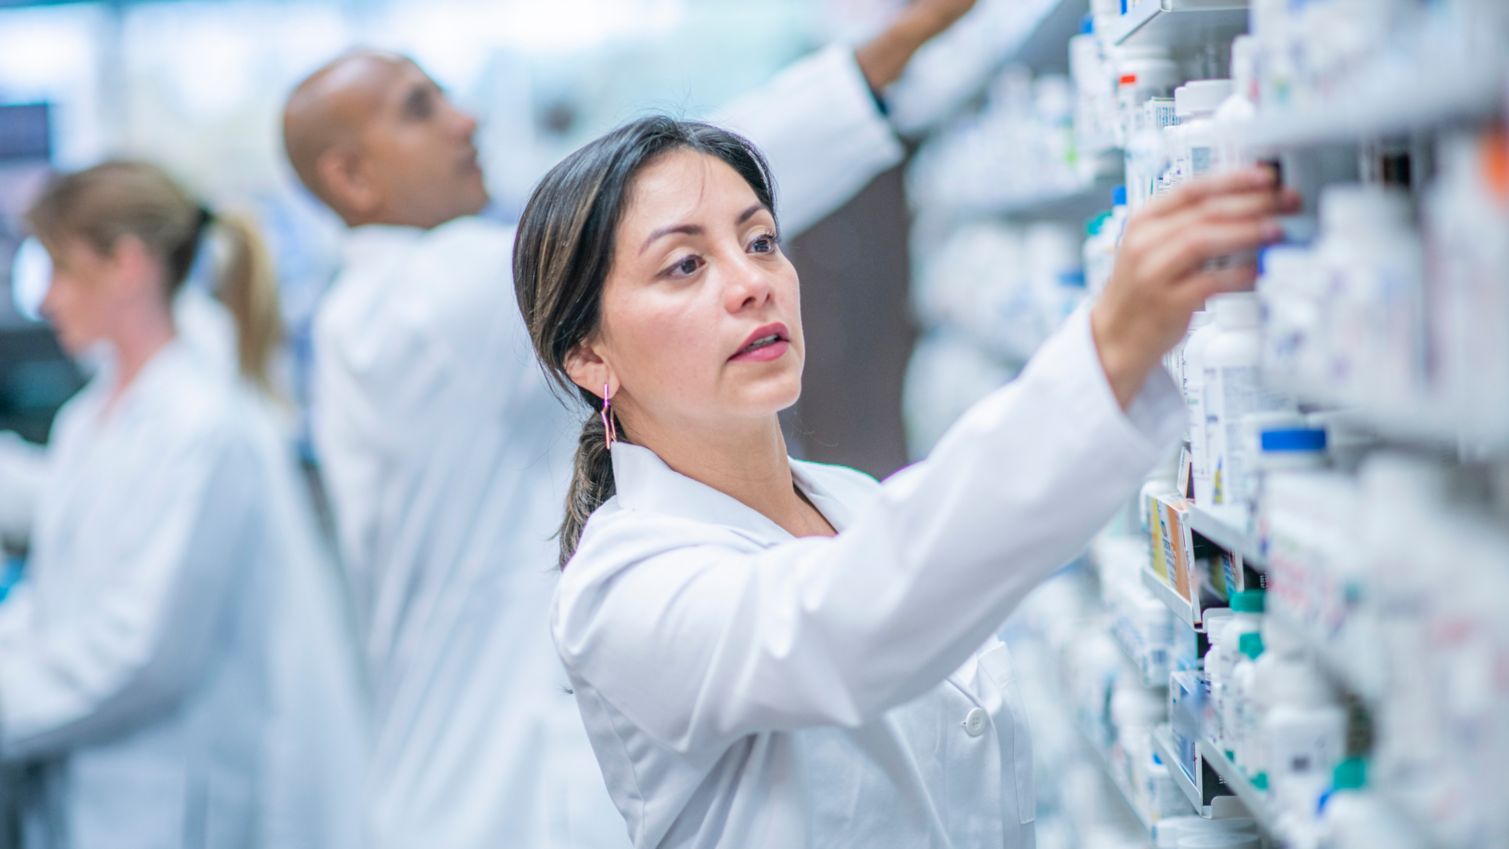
(694, 229)
(749, 213)
(688, 229)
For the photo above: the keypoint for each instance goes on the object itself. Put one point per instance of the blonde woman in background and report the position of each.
(174, 663)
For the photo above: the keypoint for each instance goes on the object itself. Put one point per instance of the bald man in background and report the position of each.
(445, 453)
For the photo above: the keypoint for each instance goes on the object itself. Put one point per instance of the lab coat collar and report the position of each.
(155, 376)
(645, 483)
(376, 242)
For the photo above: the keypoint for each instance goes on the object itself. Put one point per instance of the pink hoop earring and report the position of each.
(610, 431)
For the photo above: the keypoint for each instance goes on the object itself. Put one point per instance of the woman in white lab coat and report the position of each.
(145, 666)
(768, 652)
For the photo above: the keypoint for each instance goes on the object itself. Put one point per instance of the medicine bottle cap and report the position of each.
(1095, 225)
(1293, 439)
(1251, 645)
(1350, 774)
(1200, 97)
(1247, 601)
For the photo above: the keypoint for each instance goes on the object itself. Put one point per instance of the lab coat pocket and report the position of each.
(995, 663)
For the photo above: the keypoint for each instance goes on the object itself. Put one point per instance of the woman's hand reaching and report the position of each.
(1163, 273)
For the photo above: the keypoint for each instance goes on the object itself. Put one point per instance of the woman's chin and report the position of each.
(772, 395)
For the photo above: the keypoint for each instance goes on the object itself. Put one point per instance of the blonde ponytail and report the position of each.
(250, 291)
(123, 197)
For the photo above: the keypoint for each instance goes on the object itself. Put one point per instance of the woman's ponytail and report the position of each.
(591, 484)
(250, 291)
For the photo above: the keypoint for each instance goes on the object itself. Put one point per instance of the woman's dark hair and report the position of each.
(564, 250)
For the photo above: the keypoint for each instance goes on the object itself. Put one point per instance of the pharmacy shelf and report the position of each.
(1045, 47)
(1078, 201)
(1152, 682)
(1226, 535)
(1425, 101)
(1425, 423)
(1255, 800)
(1071, 202)
(1185, 611)
(1163, 743)
(1181, 24)
(1117, 778)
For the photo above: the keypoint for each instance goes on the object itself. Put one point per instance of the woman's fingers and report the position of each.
(1232, 206)
(1196, 288)
(1258, 204)
(1195, 192)
(1188, 250)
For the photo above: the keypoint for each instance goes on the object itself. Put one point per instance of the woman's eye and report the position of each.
(764, 244)
(685, 267)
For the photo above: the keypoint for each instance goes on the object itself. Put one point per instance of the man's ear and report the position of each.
(348, 182)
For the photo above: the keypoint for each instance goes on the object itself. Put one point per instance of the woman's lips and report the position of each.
(762, 354)
(767, 342)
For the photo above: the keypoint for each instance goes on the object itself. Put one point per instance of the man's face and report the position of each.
(418, 153)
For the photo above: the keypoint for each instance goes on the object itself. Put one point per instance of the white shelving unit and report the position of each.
(1117, 779)
(1163, 743)
(1209, 802)
(1227, 536)
(1064, 202)
(1255, 800)
(1186, 611)
(1431, 99)
(1044, 45)
(1178, 24)
(1149, 681)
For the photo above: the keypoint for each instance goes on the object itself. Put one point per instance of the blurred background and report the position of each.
(199, 86)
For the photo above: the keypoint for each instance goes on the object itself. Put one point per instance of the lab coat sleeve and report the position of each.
(818, 125)
(699, 644)
(146, 634)
(23, 467)
(956, 64)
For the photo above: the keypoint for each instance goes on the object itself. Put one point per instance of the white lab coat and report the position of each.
(133, 663)
(318, 726)
(446, 456)
(743, 688)
(202, 322)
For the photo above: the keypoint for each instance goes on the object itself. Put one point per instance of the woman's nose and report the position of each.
(748, 285)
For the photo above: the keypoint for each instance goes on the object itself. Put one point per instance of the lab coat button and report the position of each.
(975, 722)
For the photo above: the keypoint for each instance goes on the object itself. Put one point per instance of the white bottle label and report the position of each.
(1233, 392)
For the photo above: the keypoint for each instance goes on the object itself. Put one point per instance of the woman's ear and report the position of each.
(587, 368)
(131, 266)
